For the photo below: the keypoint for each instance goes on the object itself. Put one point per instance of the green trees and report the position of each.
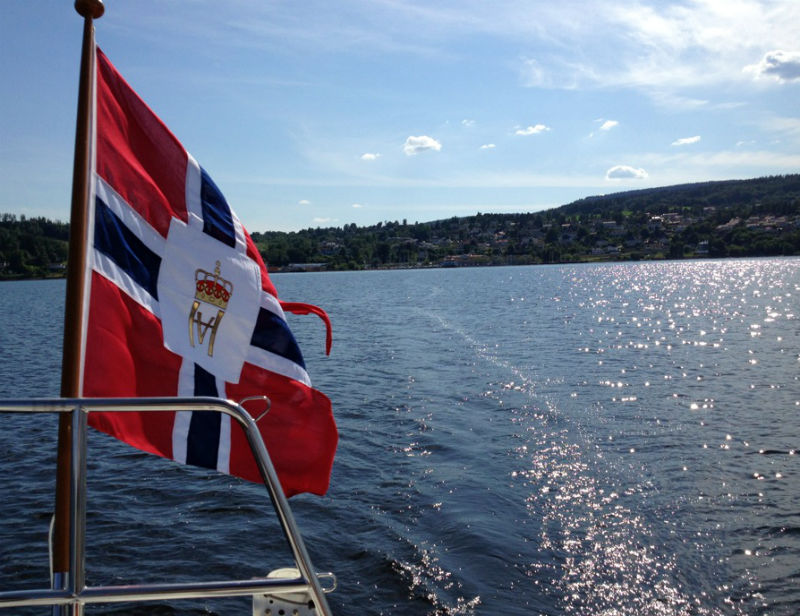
(711, 219)
(32, 247)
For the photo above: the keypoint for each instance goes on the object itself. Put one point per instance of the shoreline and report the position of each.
(300, 270)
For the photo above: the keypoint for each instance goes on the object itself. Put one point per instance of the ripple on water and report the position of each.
(599, 439)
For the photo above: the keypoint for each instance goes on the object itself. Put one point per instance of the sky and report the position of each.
(318, 113)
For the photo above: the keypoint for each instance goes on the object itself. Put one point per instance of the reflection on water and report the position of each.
(593, 439)
(581, 439)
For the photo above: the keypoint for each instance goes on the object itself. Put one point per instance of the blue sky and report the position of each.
(318, 113)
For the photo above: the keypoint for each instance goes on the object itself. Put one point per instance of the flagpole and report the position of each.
(76, 264)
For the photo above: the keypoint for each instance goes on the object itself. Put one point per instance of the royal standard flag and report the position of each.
(180, 304)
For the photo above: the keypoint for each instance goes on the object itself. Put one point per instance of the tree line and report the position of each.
(32, 247)
(736, 218)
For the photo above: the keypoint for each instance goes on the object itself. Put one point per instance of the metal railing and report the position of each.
(73, 593)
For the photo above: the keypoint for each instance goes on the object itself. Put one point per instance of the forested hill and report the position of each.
(758, 217)
(770, 192)
(32, 247)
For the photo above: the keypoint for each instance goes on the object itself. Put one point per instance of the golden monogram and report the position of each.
(215, 291)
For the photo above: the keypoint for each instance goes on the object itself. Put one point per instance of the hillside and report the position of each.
(32, 247)
(758, 217)
(736, 218)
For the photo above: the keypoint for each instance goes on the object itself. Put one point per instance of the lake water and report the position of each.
(584, 439)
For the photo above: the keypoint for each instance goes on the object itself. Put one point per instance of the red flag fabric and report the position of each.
(180, 304)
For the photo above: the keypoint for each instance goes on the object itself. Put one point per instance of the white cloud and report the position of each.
(644, 43)
(488, 146)
(324, 221)
(532, 130)
(750, 162)
(656, 46)
(605, 126)
(671, 100)
(624, 172)
(415, 145)
(468, 123)
(785, 127)
(357, 205)
(555, 73)
(781, 65)
(686, 140)
(304, 202)
(370, 156)
(533, 74)
(681, 166)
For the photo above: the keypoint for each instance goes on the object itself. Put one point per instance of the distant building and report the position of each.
(302, 267)
(730, 224)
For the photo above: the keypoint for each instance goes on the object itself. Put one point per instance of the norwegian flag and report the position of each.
(180, 304)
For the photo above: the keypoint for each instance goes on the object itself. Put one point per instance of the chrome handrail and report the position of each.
(75, 593)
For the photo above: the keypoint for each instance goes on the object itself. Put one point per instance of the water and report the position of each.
(589, 439)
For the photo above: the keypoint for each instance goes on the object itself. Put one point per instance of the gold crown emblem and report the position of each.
(212, 288)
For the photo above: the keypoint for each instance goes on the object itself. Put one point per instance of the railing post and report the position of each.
(78, 511)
